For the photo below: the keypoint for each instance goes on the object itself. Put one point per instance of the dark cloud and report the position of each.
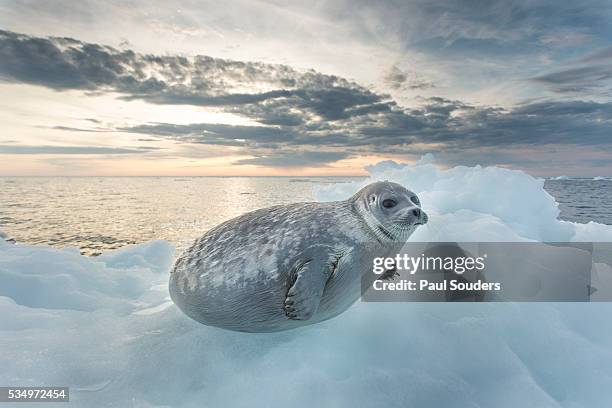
(12, 149)
(579, 79)
(591, 74)
(207, 133)
(453, 124)
(307, 118)
(399, 79)
(64, 63)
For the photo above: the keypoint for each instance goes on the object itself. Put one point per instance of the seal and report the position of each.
(287, 266)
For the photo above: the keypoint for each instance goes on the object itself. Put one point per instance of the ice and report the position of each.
(597, 178)
(477, 203)
(105, 327)
(44, 277)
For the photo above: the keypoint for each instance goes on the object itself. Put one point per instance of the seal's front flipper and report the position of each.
(304, 295)
(389, 274)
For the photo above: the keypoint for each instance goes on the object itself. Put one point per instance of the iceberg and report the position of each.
(105, 326)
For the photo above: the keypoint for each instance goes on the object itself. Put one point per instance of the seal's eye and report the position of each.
(389, 203)
(415, 200)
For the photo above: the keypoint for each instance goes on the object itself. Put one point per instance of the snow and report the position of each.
(105, 327)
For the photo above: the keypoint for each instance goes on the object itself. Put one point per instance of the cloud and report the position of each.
(304, 118)
(579, 79)
(406, 79)
(591, 74)
(304, 158)
(461, 44)
(295, 108)
(465, 28)
(74, 129)
(604, 54)
(207, 133)
(15, 149)
(438, 121)
(65, 63)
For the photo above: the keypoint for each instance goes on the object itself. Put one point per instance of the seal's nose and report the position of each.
(424, 218)
(416, 212)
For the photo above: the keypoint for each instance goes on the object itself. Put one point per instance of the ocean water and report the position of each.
(96, 214)
(583, 200)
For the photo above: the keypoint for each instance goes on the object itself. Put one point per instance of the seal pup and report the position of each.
(287, 266)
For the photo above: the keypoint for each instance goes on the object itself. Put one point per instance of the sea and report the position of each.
(97, 214)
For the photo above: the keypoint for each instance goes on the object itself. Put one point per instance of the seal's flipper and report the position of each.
(304, 295)
(389, 274)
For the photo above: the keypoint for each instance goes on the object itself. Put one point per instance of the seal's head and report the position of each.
(391, 211)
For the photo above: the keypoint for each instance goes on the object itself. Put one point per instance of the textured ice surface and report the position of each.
(478, 204)
(104, 326)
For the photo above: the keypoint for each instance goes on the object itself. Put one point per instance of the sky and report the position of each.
(136, 88)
